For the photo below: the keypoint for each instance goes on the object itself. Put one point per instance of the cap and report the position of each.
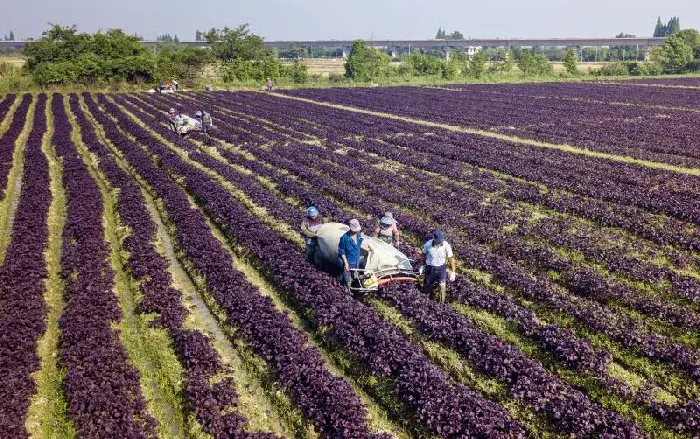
(198, 114)
(312, 211)
(438, 237)
(355, 225)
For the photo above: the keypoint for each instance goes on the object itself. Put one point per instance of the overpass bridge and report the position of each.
(483, 42)
(418, 44)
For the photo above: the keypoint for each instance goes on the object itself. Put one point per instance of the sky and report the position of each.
(350, 19)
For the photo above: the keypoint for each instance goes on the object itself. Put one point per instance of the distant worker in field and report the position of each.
(437, 252)
(388, 230)
(309, 228)
(269, 85)
(204, 121)
(172, 119)
(349, 250)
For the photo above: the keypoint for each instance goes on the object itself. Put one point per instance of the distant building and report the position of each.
(472, 50)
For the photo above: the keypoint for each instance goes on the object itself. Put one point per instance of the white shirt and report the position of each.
(437, 256)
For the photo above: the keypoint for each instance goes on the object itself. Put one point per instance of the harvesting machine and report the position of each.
(384, 264)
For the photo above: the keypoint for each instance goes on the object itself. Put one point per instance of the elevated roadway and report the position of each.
(483, 42)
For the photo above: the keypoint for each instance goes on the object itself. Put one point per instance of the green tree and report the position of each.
(674, 26)
(678, 52)
(509, 60)
(115, 44)
(419, 64)
(365, 63)
(63, 55)
(671, 28)
(231, 44)
(59, 43)
(477, 64)
(175, 61)
(570, 62)
(691, 37)
(534, 65)
(450, 69)
(660, 30)
(299, 72)
(243, 55)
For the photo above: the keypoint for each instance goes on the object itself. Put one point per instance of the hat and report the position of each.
(438, 237)
(355, 225)
(312, 211)
(389, 215)
(386, 220)
(198, 114)
(172, 111)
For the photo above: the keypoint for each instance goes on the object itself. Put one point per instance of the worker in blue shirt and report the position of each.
(349, 249)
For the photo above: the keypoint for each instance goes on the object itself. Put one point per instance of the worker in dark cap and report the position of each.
(437, 252)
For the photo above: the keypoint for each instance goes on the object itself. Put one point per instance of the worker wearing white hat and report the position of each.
(349, 249)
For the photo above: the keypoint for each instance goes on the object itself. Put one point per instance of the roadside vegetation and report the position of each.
(66, 60)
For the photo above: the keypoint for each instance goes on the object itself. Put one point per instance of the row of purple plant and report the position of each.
(549, 399)
(328, 401)
(343, 127)
(101, 387)
(682, 285)
(7, 140)
(211, 404)
(357, 328)
(22, 283)
(587, 283)
(297, 147)
(584, 121)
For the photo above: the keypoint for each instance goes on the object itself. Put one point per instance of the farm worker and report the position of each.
(172, 118)
(349, 249)
(204, 120)
(388, 230)
(268, 84)
(309, 228)
(198, 121)
(176, 85)
(436, 253)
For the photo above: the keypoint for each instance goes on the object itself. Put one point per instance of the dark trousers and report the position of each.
(347, 275)
(311, 244)
(435, 275)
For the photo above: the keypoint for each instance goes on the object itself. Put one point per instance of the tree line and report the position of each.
(65, 56)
